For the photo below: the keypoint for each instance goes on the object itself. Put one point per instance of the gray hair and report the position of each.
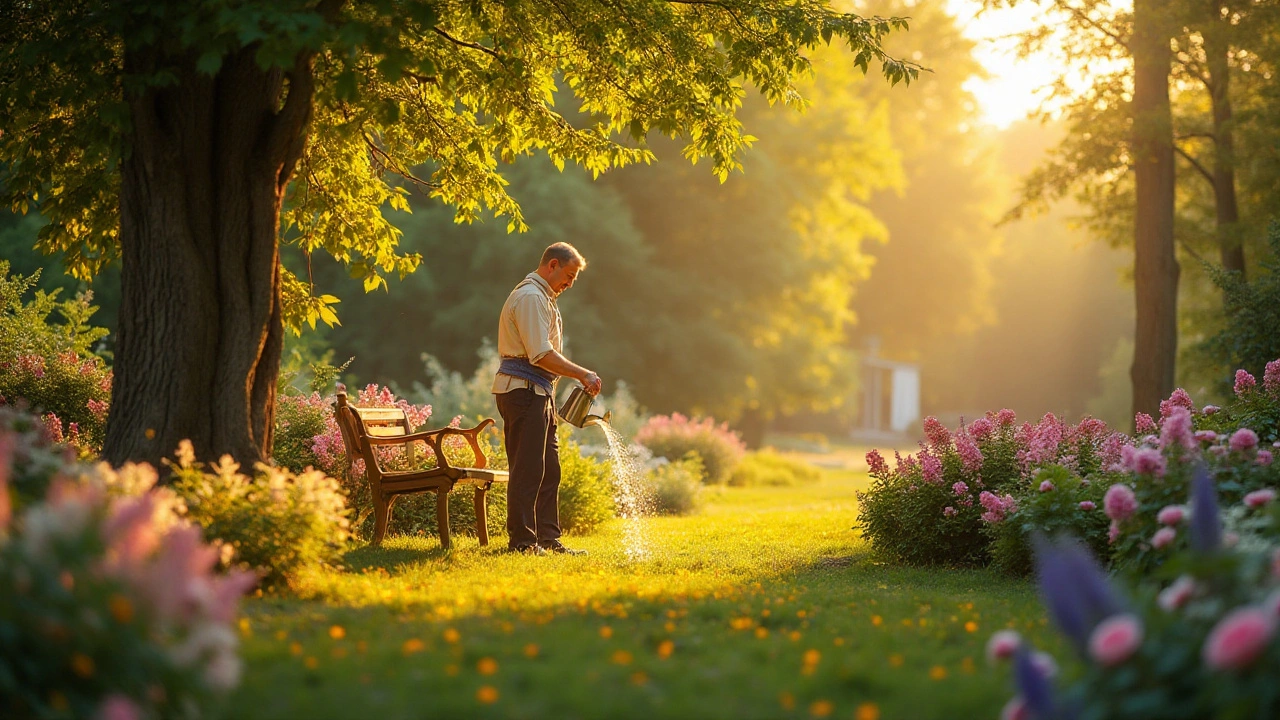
(565, 253)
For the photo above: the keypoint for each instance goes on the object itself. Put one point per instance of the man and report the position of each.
(530, 341)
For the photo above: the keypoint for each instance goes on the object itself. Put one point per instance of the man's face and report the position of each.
(562, 276)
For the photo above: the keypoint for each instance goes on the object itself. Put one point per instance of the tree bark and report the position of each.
(753, 425)
(1217, 51)
(200, 318)
(1155, 263)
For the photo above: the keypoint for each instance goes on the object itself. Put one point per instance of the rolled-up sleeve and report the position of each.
(533, 323)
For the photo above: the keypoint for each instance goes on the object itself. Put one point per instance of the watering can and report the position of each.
(577, 409)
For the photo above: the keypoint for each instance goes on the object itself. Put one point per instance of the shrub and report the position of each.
(300, 419)
(675, 436)
(1248, 338)
(1197, 640)
(933, 507)
(109, 603)
(1253, 405)
(49, 366)
(1067, 504)
(586, 489)
(674, 488)
(278, 523)
(765, 467)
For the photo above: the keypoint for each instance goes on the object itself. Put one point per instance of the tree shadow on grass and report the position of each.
(398, 552)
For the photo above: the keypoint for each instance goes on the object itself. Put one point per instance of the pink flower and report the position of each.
(1244, 382)
(1115, 639)
(1171, 515)
(1145, 461)
(876, 461)
(1003, 644)
(1045, 663)
(1113, 532)
(1176, 595)
(1177, 430)
(1006, 418)
(118, 707)
(1239, 638)
(1163, 538)
(1206, 436)
(1045, 486)
(930, 467)
(948, 511)
(981, 428)
(936, 433)
(1120, 503)
(997, 508)
(1263, 457)
(1210, 409)
(1112, 449)
(1243, 439)
(1258, 498)
(960, 488)
(1271, 376)
(1015, 709)
(969, 453)
(1143, 423)
(1179, 399)
(1088, 505)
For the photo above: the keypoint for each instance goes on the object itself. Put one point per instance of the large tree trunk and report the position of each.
(200, 318)
(1217, 50)
(1155, 264)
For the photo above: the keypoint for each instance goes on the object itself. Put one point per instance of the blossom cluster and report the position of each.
(674, 436)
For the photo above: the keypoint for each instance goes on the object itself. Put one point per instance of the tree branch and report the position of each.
(466, 43)
(1081, 16)
(1194, 163)
(287, 138)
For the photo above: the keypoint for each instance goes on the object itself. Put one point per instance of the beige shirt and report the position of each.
(528, 327)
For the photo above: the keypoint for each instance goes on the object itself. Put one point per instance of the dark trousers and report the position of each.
(533, 456)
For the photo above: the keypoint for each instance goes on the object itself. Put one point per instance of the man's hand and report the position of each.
(591, 382)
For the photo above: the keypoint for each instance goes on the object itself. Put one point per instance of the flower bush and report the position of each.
(675, 488)
(1197, 640)
(675, 436)
(1254, 404)
(109, 603)
(942, 505)
(1059, 502)
(277, 522)
(49, 367)
(765, 467)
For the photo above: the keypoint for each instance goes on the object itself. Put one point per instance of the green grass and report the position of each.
(764, 605)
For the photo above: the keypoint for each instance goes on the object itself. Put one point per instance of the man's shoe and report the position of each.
(558, 547)
(528, 550)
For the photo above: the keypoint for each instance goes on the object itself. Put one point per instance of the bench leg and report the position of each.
(482, 517)
(442, 516)
(381, 516)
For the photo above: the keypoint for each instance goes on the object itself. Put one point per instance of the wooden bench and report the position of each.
(364, 430)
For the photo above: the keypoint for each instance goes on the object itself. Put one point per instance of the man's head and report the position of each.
(560, 266)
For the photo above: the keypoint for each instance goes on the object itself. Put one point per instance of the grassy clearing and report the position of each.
(764, 605)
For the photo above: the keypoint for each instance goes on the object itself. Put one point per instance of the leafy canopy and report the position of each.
(408, 94)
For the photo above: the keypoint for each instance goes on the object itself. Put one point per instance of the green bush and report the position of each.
(675, 488)
(675, 436)
(1248, 339)
(277, 522)
(49, 366)
(299, 420)
(1069, 505)
(766, 467)
(586, 489)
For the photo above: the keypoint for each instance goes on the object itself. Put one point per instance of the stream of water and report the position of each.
(629, 493)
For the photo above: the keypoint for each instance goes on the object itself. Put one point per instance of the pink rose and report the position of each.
(1258, 498)
(1120, 502)
(1176, 595)
(1003, 644)
(1163, 538)
(1171, 515)
(1088, 505)
(1239, 638)
(1115, 639)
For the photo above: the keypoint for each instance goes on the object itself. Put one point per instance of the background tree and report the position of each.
(168, 137)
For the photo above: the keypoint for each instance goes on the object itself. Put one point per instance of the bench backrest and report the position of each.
(357, 423)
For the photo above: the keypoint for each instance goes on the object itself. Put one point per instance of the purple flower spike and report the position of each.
(1075, 589)
(1206, 526)
(1033, 684)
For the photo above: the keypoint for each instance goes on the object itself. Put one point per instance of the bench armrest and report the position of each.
(433, 439)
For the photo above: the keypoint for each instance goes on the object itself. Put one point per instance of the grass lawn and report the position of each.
(763, 605)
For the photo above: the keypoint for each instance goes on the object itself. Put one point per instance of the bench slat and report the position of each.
(375, 414)
(386, 430)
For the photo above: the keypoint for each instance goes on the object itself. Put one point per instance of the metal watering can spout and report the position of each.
(577, 410)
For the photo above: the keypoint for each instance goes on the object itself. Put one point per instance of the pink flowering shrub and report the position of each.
(972, 495)
(111, 606)
(1255, 404)
(1198, 638)
(674, 436)
(48, 367)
